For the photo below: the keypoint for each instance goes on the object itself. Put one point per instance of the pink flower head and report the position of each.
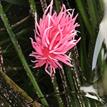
(54, 37)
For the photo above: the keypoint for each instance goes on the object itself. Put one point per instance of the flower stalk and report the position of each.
(57, 93)
(32, 6)
(21, 56)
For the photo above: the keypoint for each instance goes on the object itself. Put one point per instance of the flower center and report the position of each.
(47, 53)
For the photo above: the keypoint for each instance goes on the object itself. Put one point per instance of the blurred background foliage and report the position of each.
(20, 14)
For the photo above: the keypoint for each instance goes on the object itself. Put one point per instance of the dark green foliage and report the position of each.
(20, 14)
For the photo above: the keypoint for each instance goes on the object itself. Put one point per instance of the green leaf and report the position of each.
(102, 36)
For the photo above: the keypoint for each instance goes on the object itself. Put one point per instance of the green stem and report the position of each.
(101, 5)
(57, 94)
(32, 6)
(57, 5)
(73, 95)
(66, 88)
(21, 56)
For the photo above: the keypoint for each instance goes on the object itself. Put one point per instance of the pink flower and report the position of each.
(54, 37)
